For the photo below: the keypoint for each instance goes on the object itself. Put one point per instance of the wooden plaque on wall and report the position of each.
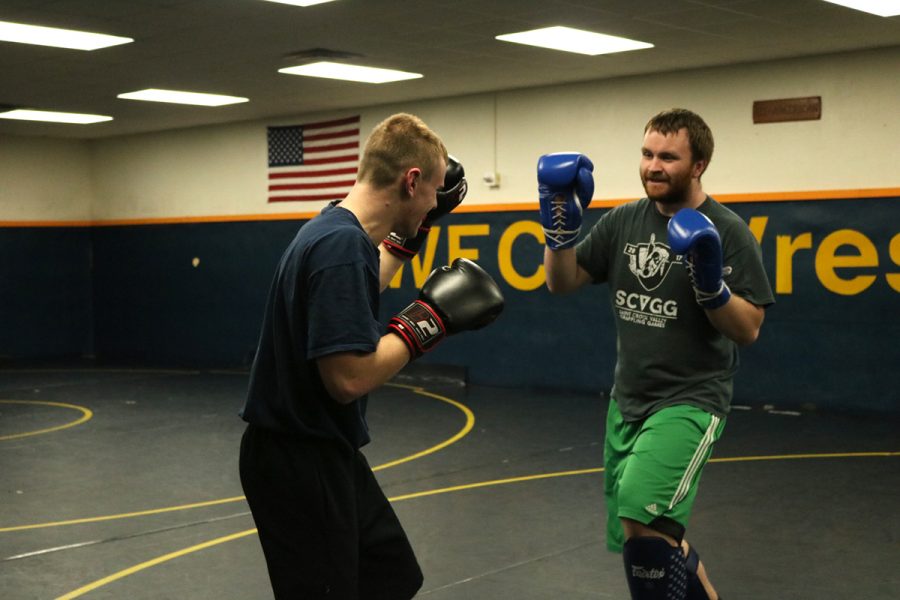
(787, 109)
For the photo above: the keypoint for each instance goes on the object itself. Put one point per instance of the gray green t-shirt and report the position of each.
(668, 351)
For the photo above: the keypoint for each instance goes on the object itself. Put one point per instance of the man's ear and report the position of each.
(699, 168)
(411, 180)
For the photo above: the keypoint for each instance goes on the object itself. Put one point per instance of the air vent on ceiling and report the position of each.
(312, 54)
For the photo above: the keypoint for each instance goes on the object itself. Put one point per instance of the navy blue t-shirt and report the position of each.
(323, 299)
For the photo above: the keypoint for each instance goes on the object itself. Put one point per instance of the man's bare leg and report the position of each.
(701, 573)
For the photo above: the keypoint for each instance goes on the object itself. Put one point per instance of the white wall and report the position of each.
(44, 179)
(854, 145)
(221, 170)
(198, 172)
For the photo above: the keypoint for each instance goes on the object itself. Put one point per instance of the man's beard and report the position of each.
(677, 194)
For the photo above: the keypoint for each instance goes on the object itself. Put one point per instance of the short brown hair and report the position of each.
(398, 143)
(699, 135)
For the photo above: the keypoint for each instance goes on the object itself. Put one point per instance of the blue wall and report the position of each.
(130, 294)
(45, 292)
(154, 307)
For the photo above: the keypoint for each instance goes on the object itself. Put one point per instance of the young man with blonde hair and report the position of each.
(326, 528)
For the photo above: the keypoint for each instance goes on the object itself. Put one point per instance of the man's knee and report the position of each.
(664, 527)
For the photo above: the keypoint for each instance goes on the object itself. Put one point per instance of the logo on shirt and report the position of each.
(650, 262)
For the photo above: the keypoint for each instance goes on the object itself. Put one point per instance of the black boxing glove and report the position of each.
(457, 298)
(448, 197)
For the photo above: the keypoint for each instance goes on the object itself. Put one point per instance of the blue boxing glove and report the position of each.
(693, 235)
(561, 177)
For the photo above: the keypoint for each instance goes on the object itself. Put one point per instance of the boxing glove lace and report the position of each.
(565, 188)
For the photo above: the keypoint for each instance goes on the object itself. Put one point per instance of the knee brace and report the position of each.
(654, 569)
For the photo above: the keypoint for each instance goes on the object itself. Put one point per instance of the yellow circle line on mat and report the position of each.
(86, 414)
(150, 563)
(493, 482)
(524, 478)
(139, 513)
(221, 540)
(470, 423)
(805, 456)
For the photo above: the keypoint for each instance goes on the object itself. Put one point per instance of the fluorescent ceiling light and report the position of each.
(175, 97)
(574, 40)
(53, 117)
(59, 38)
(330, 70)
(301, 2)
(882, 8)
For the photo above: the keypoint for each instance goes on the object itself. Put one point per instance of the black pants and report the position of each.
(326, 528)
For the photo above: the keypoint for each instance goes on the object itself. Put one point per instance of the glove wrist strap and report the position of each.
(713, 300)
(405, 248)
(560, 238)
(420, 328)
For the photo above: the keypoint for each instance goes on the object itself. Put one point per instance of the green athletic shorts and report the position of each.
(653, 466)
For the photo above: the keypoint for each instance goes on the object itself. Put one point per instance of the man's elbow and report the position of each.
(745, 338)
(557, 287)
(345, 397)
(345, 390)
(747, 334)
(745, 330)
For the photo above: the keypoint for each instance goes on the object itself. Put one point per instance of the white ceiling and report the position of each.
(236, 47)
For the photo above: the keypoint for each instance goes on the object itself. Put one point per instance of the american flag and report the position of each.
(314, 161)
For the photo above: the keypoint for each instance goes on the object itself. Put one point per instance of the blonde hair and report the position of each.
(400, 142)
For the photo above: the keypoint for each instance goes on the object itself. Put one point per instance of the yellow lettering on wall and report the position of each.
(757, 227)
(456, 232)
(893, 279)
(422, 263)
(785, 247)
(504, 256)
(827, 262)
